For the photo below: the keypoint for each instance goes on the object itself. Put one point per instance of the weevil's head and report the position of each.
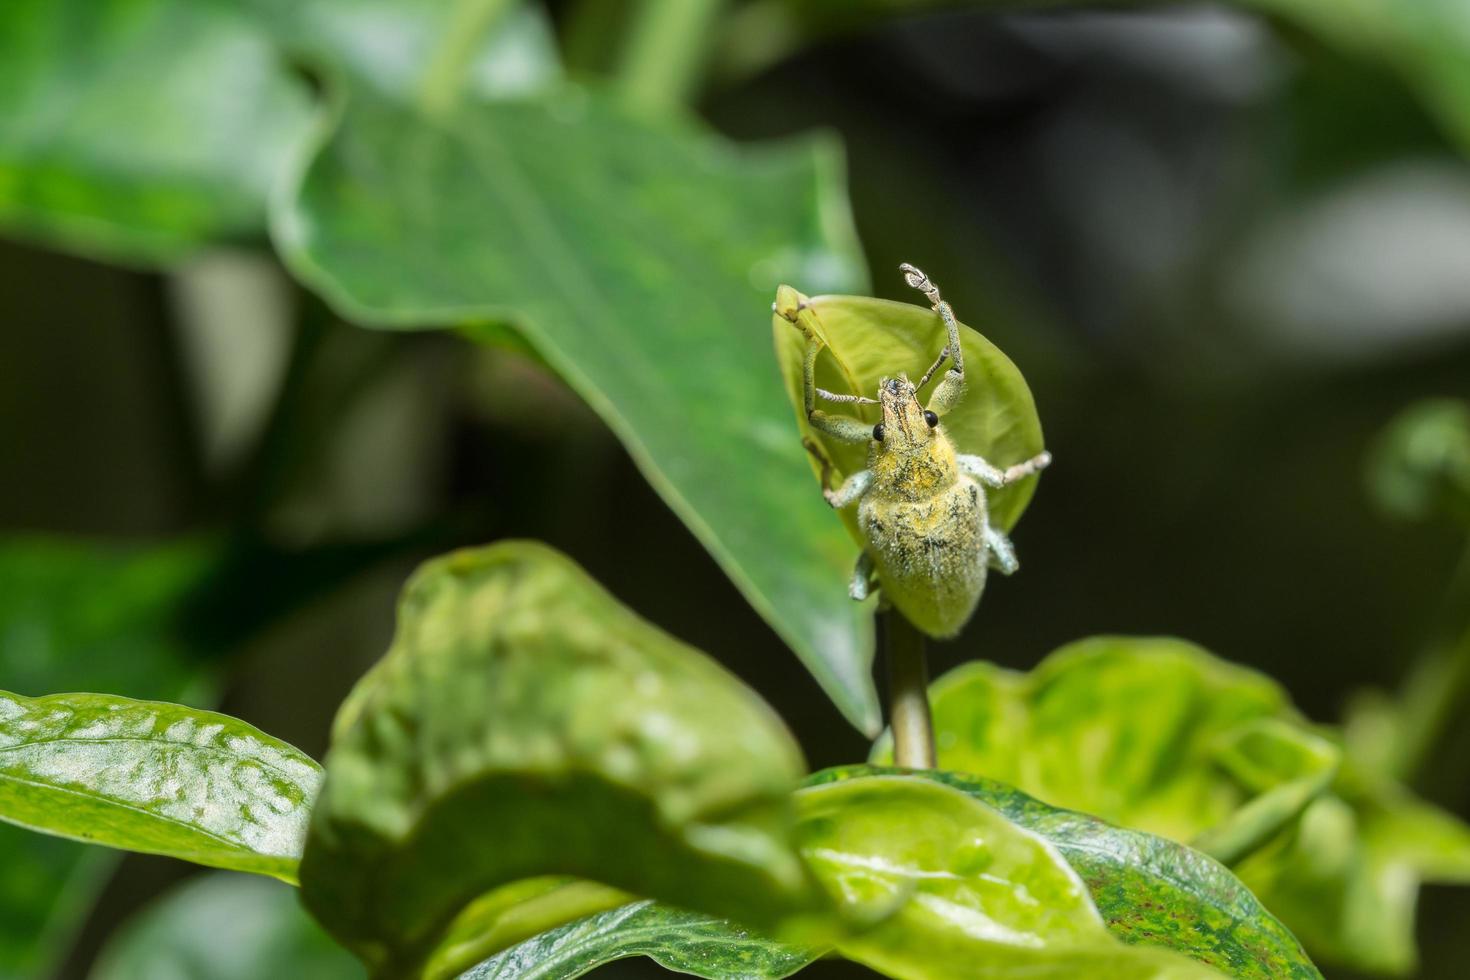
(906, 425)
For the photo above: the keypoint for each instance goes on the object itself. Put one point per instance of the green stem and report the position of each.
(664, 55)
(444, 78)
(1437, 695)
(908, 684)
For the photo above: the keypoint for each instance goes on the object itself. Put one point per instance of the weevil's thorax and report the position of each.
(913, 461)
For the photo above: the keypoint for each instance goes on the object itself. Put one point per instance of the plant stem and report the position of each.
(1438, 692)
(908, 686)
(664, 54)
(444, 78)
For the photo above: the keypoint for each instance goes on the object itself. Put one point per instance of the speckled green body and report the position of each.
(925, 526)
(924, 521)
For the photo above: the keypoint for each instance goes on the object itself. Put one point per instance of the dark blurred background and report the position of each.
(1223, 254)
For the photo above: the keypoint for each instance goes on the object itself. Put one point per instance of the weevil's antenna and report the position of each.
(832, 396)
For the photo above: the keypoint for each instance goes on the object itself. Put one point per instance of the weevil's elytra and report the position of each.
(921, 505)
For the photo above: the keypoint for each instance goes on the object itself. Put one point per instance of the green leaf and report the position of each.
(72, 616)
(954, 889)
(1150, 890)
(1071, 733)
(79, 615)
(154, 777)
(1221, 759)
(635, 256)
(224, 927)
(1347, 879)
(1420, 467)
(140, 130)
(404, 49)
(524, 724)
(1427, 42)
(865, 340)
(508, 914)
(47, 887)
(686, 942)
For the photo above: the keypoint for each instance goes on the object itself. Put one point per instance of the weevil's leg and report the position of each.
(858, 588)
(951, 388)
(852, 488)
(995, 477)
(1002, 552)
(837, 426)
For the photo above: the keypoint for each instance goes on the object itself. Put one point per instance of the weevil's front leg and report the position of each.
(862, 572)
(837, 426)
(951, 388)
(852, 488)
(995, 477)
(1002, 552)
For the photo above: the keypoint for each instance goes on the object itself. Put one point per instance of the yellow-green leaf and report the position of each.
(526, 724)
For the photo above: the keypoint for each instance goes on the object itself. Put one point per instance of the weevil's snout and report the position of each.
(904, 419)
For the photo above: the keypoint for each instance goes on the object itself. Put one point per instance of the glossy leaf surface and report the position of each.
(1150, 890)
(954, 889)
(1219, 759)
(686, 942)
(517, 701)
(154, 777)
(224, 927)
(1071, 731)
(865, 340)
(74, 615)
(140, 129)
(638, 258)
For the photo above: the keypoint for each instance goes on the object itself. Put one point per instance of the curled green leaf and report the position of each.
(157, 778)
(1070, 732)
(686, 942)
(952, 888)
(1150, 891)
(865, 340)
(525, 724)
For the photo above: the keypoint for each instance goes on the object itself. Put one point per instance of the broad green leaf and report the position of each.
(1427, 42)
(79, 615)
(525, 724)
(954, 889)
(637, 257)
(1347, 879)
(139, 130)
(154, 777)
(224, 927)
(407, 50)
(865, 340)
(1150, 890)
(1219, 759)
(1071, 731)
(510, 913)
(76, 615)
(686, 942)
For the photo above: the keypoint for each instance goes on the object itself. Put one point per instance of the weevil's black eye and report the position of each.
(878, 432)
(931, 418)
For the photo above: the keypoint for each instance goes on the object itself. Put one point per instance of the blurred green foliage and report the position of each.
(1223, 246)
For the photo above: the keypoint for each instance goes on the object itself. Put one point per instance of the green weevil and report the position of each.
(921, 505)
